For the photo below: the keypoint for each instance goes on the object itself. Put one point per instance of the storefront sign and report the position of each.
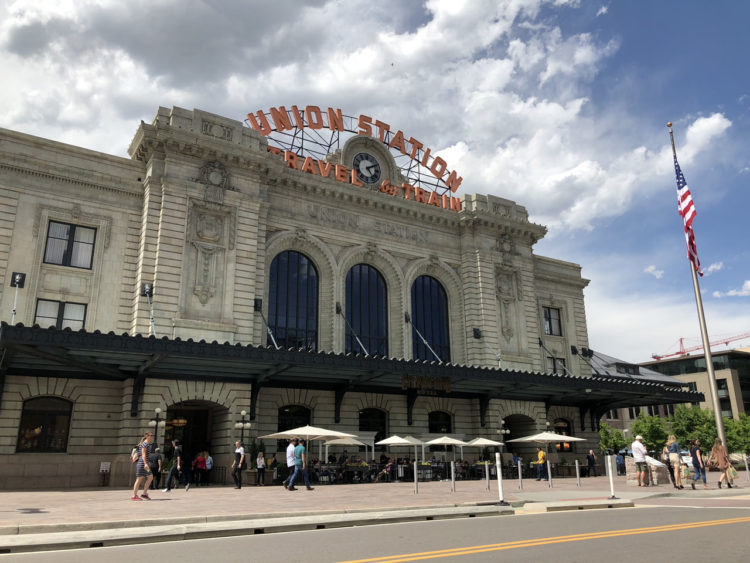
(426, 385)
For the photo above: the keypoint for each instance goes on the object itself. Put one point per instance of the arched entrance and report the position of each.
(193, 424)
(520, 425)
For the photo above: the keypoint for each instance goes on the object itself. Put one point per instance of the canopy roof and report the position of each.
(38, 352)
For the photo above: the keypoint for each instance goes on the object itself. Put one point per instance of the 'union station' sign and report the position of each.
(313, 117)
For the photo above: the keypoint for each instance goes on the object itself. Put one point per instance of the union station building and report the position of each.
(219, 270)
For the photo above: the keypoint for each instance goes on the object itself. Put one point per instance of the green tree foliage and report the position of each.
(611, 439)
(738, 434)
(688, 423)
(653, 429)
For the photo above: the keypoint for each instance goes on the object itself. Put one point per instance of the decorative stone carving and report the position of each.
(507, 288)
(215, 177)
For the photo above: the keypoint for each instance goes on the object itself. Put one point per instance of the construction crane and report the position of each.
(685, 351)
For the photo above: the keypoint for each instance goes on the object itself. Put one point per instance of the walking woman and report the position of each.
(142, 469)
(721, 459)
(665, 459)
(260, 461)
(674, 458)
(698, 466)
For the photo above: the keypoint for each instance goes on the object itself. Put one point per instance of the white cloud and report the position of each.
(602, 11)
(744, 292)
(654, 272)
(715, 267)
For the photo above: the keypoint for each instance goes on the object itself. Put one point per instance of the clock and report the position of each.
(367, 167)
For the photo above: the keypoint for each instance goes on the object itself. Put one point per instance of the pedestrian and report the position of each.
(238, 464)
(209, 467)
(673, 447)
(300, 466)
(665, 459)
(698, 466)
(176, 471)
(260, 462)
(143, 474)
(290, 464)
(639, 456)
(720, 458)
(541, 464)
(620, 462)
(591, 463)
(199, 469)
(155, 462)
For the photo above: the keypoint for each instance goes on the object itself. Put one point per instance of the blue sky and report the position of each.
(558, 105)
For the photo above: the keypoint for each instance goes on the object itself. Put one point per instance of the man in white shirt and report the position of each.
(639, 456)
(290, 463)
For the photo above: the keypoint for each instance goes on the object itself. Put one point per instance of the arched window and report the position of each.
(293, 301)
(45, 424)
(439, 422)
(366, 311)
(429, 316)
(374, 420)
(563, 426)
(291, 416)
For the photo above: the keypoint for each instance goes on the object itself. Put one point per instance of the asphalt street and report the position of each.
(591, 535)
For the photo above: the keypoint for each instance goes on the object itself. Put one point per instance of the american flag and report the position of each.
(687, 212)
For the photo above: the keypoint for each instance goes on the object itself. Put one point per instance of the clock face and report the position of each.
(367, 167)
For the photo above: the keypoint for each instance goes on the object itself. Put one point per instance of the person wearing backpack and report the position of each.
(143, 474)
(209, 467)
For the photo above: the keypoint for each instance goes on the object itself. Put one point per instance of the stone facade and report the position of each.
(200, 210)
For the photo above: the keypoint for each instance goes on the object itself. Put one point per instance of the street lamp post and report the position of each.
(242, 425)
(157, 423)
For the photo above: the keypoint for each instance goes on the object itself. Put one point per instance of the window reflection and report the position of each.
(429, 315)
(293, 301)
(366, 311)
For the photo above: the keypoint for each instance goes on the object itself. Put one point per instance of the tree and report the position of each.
(611, 439)
(688, 423)
(653, 429)
(738, 434)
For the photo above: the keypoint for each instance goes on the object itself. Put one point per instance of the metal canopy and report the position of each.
(33, 351)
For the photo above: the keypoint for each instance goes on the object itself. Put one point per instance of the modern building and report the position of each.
(223, 269)
(732, 371)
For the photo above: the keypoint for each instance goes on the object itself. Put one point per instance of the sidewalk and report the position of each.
(58, 519)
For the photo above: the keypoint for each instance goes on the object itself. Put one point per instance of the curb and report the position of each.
(111, 536)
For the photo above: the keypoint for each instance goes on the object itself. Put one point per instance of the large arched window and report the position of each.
(374, 420)
(293, 301)
(291, 416)
(439, 422)
(45, 423)
(563, 427)
(429, 316)
(366, 311)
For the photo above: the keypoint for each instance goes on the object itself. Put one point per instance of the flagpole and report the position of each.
(704, 336)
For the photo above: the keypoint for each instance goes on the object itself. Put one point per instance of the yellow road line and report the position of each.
(453, 552)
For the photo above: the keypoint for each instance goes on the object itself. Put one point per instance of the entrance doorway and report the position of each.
(191, 423)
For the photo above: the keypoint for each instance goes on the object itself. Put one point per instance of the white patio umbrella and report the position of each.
(446, 441)
(396, 440)
(309, 433)
(343, 442)
(548, 437)
(484, 442)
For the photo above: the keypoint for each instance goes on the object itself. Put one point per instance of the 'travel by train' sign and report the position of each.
(289, 127)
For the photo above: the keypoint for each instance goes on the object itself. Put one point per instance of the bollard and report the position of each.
(611, 476)
(578, 473)
(747, 469)
(499, 481)
(416, 478)
(487, 473)
(453, 476)
(520, 477)
(549, 474)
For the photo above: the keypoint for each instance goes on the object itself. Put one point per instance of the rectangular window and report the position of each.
(69, 245)
(555, 365)
(653, 410)
(614, 414)
(669, 409)
(633, 412)
(59, 314)
(552, 324)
